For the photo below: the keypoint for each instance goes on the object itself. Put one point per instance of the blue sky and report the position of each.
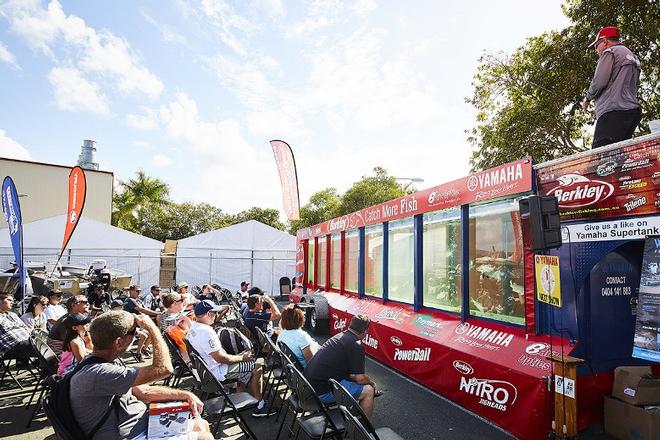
(191, 92)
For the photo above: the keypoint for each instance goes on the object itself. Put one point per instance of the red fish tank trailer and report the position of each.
(447, 277)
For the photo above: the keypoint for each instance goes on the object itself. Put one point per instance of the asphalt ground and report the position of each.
(411, 410)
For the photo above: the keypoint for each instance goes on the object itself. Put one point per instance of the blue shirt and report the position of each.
(296, 340)
(258, 319)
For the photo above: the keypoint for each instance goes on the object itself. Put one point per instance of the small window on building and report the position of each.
(335, 261)
(323, 258)
(310, 262)
(373, 261)
(401, 251)
(352, 251)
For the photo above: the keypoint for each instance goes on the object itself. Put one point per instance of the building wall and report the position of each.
(46, 187)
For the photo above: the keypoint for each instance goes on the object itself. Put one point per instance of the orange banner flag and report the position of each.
(77, 194)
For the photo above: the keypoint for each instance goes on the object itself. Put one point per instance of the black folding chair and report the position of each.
(61, 432)
(225, 404)
(291, 355)
(272, 365)
(354, 429)
(345, 399)
(323, 422)
(291, 403)
(181, 368)
(47, 363)
(241, 327)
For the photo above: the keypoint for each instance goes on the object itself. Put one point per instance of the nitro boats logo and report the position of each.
(576, 190)
(463, 367)
(495, 177)
(497, 394)
(339, 324)
(502, 339)
(414, 355)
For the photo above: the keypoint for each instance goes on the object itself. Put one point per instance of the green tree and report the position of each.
(528, 103)
(369, 191)
(136, 198)
(322, 206)
(181, 220)
(267, 216)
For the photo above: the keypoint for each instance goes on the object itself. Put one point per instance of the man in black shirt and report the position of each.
(342, 358)
(97, 297)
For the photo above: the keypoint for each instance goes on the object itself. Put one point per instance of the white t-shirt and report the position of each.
(205, 340)
(54, 311)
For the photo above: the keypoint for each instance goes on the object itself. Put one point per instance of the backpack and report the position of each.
(233, 341)
(60, 400)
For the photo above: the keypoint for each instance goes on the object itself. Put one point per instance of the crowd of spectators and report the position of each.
(92, 333)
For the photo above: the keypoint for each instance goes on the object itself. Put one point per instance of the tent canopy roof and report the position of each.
(249, 235)
(47, 233)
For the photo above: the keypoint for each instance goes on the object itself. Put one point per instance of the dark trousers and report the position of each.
(616, 126)
(23, 350)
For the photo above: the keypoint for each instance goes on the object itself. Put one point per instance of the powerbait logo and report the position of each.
(414, 355)
(484, 334)
(339, 324)
(338, 224)
(495, 177)
(463, 367)
(497, 394)
(635, 164)
(576, 190)
(370, 341)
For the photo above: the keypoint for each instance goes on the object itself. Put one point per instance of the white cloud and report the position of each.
(143, 144)
(146, 121)
(7, 57)
(75, 93)
(67, 39)
(161, 160)
(11, 149)
(362, 7)
(168, 34)
(228, 23)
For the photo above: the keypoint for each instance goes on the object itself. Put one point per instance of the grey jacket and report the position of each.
(616, 80)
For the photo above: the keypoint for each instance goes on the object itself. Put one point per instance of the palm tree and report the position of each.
(137, 196)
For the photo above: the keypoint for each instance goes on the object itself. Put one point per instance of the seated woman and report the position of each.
(77, 343)
(173, 303)
(295, 337)
(35, 318)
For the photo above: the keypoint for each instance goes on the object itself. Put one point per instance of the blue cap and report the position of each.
(206, 306)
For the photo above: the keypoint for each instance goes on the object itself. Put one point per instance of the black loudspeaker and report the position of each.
(543, 214)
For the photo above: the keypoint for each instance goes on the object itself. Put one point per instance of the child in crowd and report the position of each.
(77, 343)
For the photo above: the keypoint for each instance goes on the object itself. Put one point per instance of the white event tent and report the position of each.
(250, 251)
(123, 250)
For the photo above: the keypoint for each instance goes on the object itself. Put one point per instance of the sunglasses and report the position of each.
(82, 302)
(132, 331)
(179, 301)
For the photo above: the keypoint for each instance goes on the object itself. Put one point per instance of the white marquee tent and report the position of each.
(124, 251)
(249, 251)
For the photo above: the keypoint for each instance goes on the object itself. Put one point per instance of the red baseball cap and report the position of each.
(606, 32)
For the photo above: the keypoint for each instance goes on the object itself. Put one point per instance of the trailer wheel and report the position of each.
(319, 316)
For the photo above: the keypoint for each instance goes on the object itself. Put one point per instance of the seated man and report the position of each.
(152, 300)
(256, 316)
(224, 366)
(133, 304)
(14, 334)
(75, 304)
(94, 386)
(342, 358)
(97, 297)
(54, 310)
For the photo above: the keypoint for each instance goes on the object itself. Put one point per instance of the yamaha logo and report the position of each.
(463, 367)
(396, 341)
(462, 328)
(473, 183)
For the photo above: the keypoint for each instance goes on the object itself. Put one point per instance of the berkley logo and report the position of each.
(495, 177)
(606, 168)
(337, 224)
(576, 190)
(396, 341)
(484, 334)
(463, 367)
(414, 355)
(497, 394)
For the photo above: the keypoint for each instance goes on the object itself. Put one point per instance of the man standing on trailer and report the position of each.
(614, 89)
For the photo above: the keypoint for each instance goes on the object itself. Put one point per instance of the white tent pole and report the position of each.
(210, 265)
(252, 267)
(272, 275)
(139, 271)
